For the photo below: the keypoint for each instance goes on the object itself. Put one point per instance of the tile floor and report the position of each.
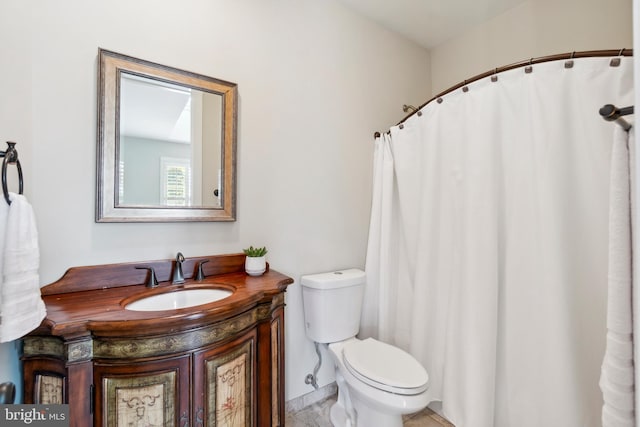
(317, 415)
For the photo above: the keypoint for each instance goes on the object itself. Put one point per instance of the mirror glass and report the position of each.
(173, 133)
(166, 143)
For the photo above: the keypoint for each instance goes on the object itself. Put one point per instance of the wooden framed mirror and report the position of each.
(166, 143)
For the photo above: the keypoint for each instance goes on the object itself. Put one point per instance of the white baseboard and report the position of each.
(301, 402)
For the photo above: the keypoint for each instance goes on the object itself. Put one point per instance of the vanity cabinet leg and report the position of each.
(263, 406)
(276, 368)
(81, 402)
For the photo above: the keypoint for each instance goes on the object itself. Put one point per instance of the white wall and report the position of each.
(315, 81)
(533, 29)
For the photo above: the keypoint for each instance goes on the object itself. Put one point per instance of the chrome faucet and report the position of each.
(178, 277)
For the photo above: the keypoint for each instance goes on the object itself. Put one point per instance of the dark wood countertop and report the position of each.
(91, 300)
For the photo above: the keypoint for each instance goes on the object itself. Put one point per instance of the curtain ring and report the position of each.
(569, 62)
(529, 68)
(615, 62)
(494, 78)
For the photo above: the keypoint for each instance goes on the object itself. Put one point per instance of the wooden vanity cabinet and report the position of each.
(223, 367)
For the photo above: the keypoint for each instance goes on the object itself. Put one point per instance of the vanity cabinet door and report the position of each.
(45, 381)
(145, 393)
(224, 384)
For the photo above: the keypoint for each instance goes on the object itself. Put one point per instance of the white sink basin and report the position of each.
(178, 299)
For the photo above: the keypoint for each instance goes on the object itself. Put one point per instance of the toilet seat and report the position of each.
(385, 367)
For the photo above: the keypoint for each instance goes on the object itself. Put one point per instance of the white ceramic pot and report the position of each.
(255, 266)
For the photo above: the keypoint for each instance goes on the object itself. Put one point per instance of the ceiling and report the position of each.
(430, 22)
(164, 114)
(154, 110)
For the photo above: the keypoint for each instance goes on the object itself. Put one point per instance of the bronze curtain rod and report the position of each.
(525, 63)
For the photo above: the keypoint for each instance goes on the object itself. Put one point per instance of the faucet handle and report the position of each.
(151, 281)
(200, 275)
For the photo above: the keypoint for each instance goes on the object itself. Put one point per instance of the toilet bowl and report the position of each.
(384, 383)
(377, 382)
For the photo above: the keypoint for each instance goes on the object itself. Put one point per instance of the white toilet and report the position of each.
(377, 382)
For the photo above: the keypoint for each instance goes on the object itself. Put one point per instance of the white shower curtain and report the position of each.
(487, 255)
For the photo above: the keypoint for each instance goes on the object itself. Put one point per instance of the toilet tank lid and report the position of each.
(334, 279)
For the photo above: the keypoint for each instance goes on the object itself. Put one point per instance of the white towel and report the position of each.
(617, 375)
(21, 305)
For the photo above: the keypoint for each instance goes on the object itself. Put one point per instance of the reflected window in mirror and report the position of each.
(166, 142)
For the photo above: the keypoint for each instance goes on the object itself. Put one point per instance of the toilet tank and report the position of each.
(332, 303)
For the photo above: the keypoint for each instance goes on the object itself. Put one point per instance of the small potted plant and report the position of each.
(255, 264)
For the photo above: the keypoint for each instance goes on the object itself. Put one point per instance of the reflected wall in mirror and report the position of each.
(166, 143)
